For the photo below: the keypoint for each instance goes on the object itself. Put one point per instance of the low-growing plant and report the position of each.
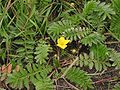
(45, 41)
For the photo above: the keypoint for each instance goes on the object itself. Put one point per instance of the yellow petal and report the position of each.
(61, 39)
(62, 46)
(66, 41)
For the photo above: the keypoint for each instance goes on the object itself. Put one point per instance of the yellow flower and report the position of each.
(62, 42)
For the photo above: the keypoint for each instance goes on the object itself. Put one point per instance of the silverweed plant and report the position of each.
(59, 44)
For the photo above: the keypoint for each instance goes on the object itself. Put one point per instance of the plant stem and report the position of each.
(58, 54)
(71, 84)
(64, 74)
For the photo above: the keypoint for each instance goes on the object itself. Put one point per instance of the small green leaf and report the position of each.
(91, 64)
(26, 82)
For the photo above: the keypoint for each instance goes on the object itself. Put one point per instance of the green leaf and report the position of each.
(114, 27)
(42, 52)
(56, 29)
(81, 63)
(44, 84)
(115, 58)
(116, 87)
(91, 64)
(23, 78)
(79, 77)
(29, 68)
(100, 52)
(97, 66)
(89, 7)
(21, 42)
(93, 38)
(26, 83)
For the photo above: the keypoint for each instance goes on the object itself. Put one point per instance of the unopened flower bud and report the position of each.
(72, 4)
(73, 51)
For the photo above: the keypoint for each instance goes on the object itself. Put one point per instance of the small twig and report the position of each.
(107, 33)
(71, 84)
(110, 79)
(51, 73)
(64, 74)
(8, 5)
(56, 84)
(103, 72)
(113, 42)
(114, 36)
(58, 54)
(7, 87)
(95, 74)
(63, 87)
(112, 71)
(103, 80)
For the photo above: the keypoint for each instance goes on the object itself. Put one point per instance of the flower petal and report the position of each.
(61, 39)
(66, 41)
(62, 46)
